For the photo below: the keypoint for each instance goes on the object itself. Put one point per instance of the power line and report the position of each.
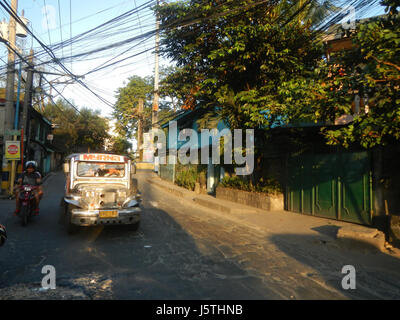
(59, 17)
(47, 20)
(103, 31)
(55, 59)
(70, 27)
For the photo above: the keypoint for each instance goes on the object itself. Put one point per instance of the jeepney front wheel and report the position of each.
(71, 228)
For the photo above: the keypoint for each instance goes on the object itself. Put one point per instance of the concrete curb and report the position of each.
(222, 205)
(362, 237)
(350, 236)
(206, 201)
(174, 191)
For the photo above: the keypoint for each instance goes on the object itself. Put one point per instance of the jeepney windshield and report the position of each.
(100, 169)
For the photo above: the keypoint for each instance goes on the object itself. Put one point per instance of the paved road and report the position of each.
(179, 252)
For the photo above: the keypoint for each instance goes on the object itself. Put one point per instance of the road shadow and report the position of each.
(377, 273)
(160, 260)
(328, 230)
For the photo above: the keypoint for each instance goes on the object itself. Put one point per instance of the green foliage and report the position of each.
(187, 178)
(370, 69)
(262, 69)
(373, 68)
(187, 175)
(268, 186)
(236, 54)
(170, 89)
(126, 107)
(119, 145)
(85, 129)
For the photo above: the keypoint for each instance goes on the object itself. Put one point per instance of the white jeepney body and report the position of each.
(100, 190)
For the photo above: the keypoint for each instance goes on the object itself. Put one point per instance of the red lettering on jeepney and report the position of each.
(100, 157)
(87, 157)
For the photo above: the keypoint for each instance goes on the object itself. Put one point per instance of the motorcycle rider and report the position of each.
(30, 177)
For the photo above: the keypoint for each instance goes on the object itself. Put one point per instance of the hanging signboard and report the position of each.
(11, 132)
(13, 150)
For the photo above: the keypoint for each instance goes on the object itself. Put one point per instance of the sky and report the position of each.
(55, 21)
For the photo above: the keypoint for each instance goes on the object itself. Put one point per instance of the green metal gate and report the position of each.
(336, 186)
(167, 172)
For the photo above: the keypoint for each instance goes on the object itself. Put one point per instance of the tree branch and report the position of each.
(386, 63)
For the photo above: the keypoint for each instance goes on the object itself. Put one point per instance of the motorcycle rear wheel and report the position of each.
(24, 215)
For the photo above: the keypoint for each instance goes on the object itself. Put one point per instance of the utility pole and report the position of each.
(14, 162)
(154, 119)
(140, 130)
(9, 107)
(27, 102)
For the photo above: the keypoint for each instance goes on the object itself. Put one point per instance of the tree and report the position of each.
(235, 55)
(126, 107)
(91, 129)
(77, 131)
(171, 97)
(119, 145)
(371, 68)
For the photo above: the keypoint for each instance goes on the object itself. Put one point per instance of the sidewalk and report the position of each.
(276, 222)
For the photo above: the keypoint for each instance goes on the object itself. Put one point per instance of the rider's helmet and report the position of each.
(3, 235)
(31, 164)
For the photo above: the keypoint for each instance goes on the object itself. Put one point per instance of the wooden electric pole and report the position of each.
(154, 119)
(140, 130)
(27, 102)
(9, 113)
(9, 108)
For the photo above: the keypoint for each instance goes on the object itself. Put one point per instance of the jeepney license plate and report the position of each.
(108, 214)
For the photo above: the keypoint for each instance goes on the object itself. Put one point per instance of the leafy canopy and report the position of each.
(235, 55)
(371, 70)
(77, 131)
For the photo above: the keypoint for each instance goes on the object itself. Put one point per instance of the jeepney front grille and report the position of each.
(102, 197)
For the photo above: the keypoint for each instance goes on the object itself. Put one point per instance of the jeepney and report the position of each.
(100, 190)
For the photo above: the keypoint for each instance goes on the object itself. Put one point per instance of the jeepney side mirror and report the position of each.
(66, 167)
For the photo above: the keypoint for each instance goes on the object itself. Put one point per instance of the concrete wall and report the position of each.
(144, 166)
(252, 199)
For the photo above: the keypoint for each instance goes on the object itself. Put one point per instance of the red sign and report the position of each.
(13, 149)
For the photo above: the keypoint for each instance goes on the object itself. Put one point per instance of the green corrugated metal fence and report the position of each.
(337, 186)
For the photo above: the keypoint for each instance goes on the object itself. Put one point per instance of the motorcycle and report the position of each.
(28, 203)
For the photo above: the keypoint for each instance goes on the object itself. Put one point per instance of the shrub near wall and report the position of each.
(265, 195)
(187, 175)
